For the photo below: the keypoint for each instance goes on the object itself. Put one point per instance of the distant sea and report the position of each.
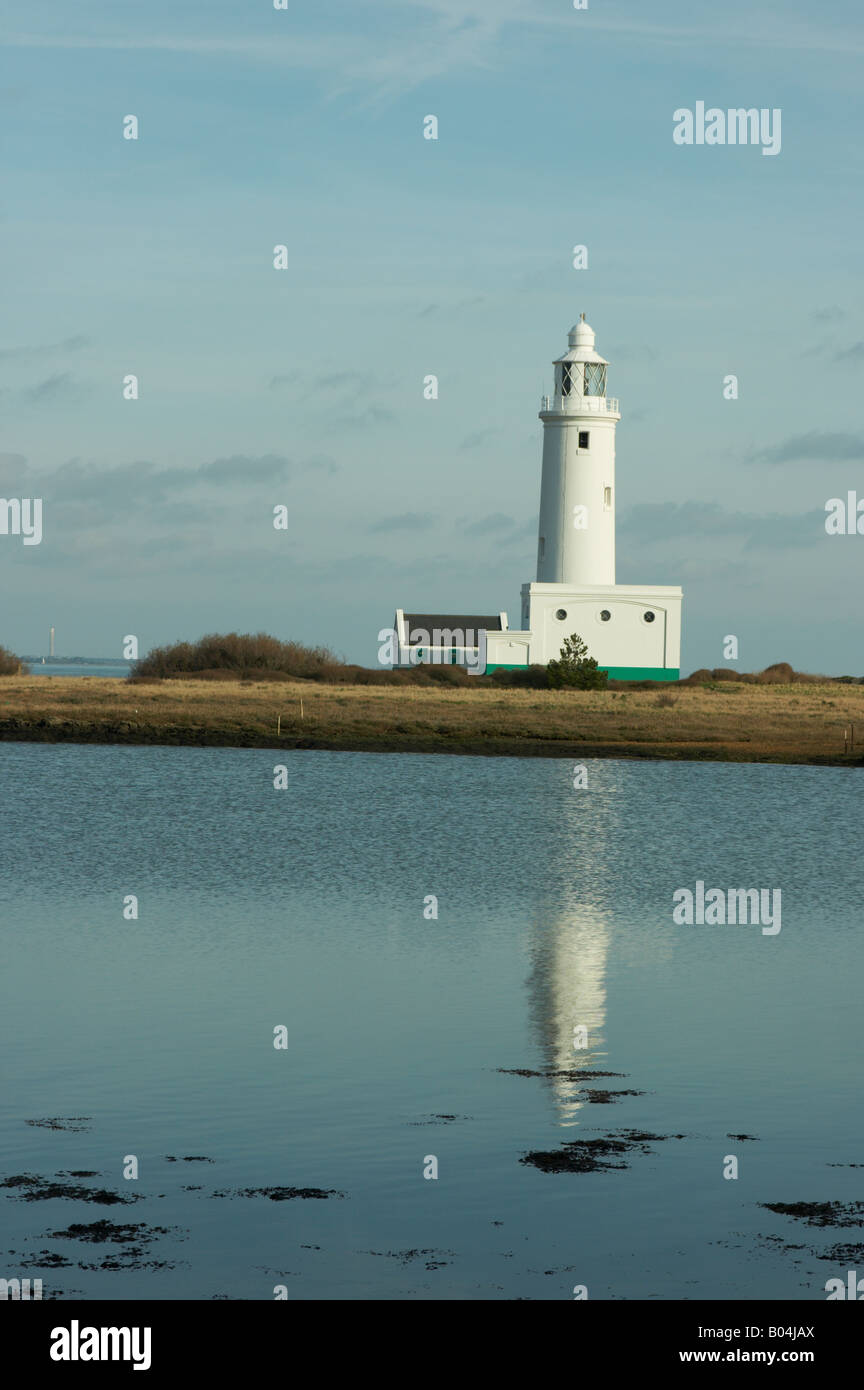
(77, 666)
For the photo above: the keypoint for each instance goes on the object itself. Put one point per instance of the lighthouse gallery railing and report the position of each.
(581, 405)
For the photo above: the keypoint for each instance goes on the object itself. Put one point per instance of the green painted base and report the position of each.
(616, 673)
(643, 673)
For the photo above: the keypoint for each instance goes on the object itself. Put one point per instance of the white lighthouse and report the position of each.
(633, 631)
(576, 539)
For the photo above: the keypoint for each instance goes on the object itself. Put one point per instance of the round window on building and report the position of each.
(561, 614)
(649, 616)
(605, 615)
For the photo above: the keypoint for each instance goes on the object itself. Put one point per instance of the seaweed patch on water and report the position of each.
(820, 1213)
(594, 1155)
(74, 1124)
(189, 1158)
(96, 1232)
(844, 1254)
(133, 1238)
(45, 1259)
(748, 1138)
(777, 1242)
(440, 1120)
(278, 1194)
(429, 1257)
(595, 1096)
(133, 1257)
(29, 1187)
(568, 1075)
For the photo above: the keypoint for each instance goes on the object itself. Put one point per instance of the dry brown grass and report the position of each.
(777, 723)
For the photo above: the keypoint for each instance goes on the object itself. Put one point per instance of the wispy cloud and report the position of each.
(405, 521)
(824, 447)
(13, 467)
(26, 354)
(143, 482)
(60, 386)
(410, 42)
(366, 418)
(634, 352)
(853, 354)
(404, 44)
(656, 523)
(263, 468)
(473, 441)
(488, 525)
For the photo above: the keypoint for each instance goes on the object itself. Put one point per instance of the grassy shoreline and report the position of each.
(731, 722)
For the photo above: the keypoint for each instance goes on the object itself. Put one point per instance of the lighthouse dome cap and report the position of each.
(581, 340)
(581, 334)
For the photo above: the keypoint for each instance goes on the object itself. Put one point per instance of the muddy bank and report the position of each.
(25, 731)
(796, 723)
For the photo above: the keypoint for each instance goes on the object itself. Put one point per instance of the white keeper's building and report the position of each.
(632, 630)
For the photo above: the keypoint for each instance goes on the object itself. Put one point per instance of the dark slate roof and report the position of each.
(428, 622)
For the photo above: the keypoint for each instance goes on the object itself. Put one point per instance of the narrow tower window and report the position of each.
(584, 436)
(607, 498)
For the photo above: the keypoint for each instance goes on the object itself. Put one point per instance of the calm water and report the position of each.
(77, 668)
(304, 908)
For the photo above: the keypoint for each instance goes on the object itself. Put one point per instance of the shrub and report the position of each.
(522, 677)
(575, 668)
(239, 655)
(10, 664)
(449, 675)
(217, 675)
(780, 673)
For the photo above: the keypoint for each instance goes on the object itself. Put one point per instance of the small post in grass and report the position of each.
(279, 726)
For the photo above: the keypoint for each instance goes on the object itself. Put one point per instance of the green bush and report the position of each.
(575, 669)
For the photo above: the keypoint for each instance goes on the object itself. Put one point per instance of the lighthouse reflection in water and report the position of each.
(570, 946)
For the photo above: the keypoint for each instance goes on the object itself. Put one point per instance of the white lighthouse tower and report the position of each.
(633, 631)
(576, 540)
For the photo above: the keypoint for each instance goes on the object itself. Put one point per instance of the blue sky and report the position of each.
(409, 257)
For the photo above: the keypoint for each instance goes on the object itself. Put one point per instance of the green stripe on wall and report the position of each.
(643, 673)
(616, 673)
